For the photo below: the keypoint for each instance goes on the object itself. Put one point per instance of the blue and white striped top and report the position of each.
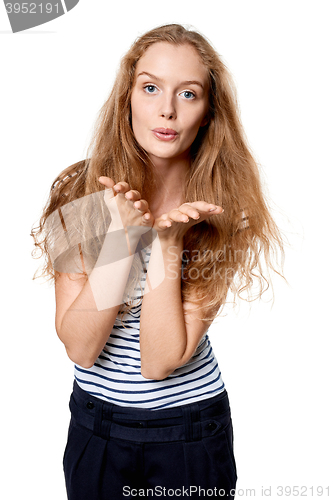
(116, 375)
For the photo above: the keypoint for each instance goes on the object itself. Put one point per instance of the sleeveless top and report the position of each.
(116, 375)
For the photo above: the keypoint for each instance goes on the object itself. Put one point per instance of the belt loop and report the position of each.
(191, 415)
(187, 421)
(103, 420)
(196, 428)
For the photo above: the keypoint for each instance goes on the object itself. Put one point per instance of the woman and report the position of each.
(170, 199)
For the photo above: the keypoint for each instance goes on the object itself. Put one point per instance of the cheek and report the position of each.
(135, 102)
(140, 112)
(135, 120)
(195, 118)
(194, 125)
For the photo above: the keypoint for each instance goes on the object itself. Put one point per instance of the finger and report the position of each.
(106, 181)
(204, 207)
(121, 187)
(133, 195)
(163, 224)
(147, 217)
(216, 209)
(178, 216)
(189, 211)
(141, 205)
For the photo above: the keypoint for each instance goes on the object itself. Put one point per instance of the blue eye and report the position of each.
(188, 95)
(149, 89)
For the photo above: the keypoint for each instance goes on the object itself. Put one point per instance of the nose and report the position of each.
(168, 109)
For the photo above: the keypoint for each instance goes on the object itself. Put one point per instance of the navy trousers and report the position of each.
(115, 452)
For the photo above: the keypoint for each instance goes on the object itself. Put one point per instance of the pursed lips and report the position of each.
(165, 131)
(165, 134)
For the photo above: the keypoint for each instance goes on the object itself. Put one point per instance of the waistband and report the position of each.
(188, 422)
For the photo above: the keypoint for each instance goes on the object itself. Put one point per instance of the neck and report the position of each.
(170, 178)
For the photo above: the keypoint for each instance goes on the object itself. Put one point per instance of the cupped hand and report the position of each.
(125, 205)
(174, 224)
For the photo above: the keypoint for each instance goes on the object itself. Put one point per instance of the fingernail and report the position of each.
(212, 209)
(146, 216)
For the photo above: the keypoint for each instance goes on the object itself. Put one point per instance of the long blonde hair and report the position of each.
(234, 251)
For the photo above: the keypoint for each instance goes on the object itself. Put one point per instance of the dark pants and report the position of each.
(115, 452)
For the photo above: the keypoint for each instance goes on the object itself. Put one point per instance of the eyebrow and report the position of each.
(187, 82)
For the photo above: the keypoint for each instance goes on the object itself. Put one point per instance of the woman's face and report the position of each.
(169, 100)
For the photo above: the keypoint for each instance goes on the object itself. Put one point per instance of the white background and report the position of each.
(275, 362)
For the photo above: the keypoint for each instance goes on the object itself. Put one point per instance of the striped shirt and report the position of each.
(116, 375)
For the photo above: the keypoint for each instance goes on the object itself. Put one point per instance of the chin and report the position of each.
(160, 155)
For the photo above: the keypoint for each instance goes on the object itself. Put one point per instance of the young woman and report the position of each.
(162, 220)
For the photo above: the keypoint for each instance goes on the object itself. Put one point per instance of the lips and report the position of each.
(167, 131)
(165, 134)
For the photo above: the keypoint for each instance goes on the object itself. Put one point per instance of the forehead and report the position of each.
(173, 62)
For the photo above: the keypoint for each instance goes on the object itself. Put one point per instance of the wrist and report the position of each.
(172, 251)
(167, 241)
(130, 234)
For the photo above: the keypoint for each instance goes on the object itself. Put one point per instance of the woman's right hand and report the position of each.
(125, 205)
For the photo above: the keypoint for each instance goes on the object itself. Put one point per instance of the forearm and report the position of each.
(88, 322)
(162, 325)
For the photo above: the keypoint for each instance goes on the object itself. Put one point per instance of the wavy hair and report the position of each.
(231, 252)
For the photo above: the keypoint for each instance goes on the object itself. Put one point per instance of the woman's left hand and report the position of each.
(174, 224)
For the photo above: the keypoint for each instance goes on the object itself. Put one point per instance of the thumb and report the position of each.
(106, 181)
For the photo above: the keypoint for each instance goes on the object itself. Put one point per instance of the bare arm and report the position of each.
(170, 330)
(81, 326)
(86, 309)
